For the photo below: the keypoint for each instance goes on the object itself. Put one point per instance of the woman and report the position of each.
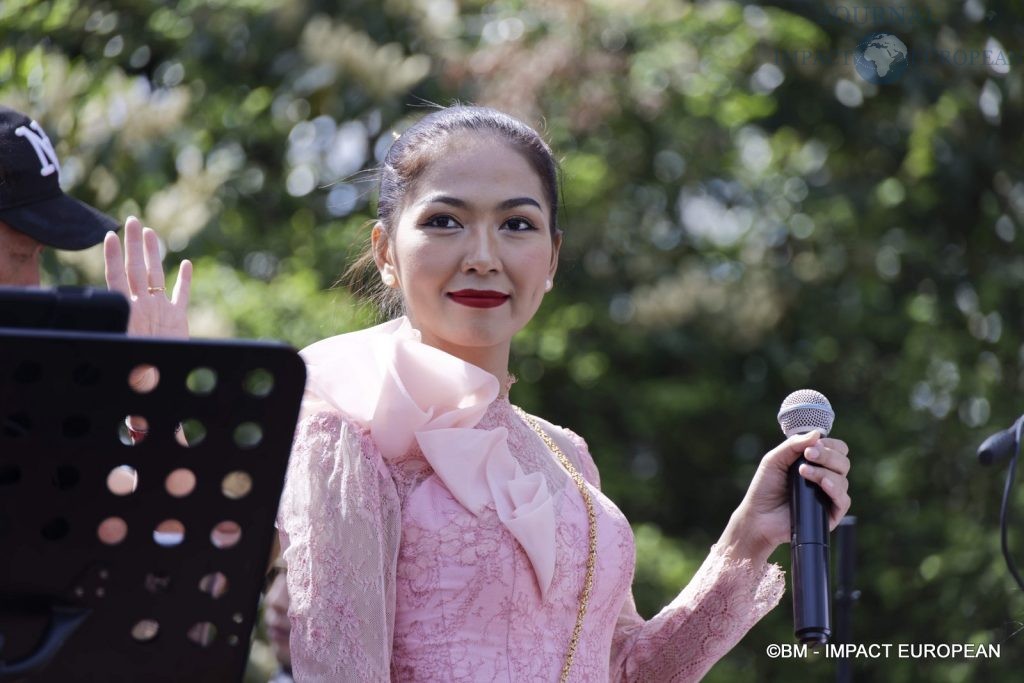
(431, 529)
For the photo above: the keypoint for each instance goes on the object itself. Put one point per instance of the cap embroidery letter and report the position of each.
(31, 199)
(43, 147)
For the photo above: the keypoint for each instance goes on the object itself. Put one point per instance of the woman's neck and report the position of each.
(493, 359)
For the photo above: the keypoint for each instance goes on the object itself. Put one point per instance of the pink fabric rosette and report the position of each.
(405, 391)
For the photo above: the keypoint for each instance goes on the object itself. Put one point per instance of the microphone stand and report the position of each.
(1003, 509)
(846, 594)
(1005, 444)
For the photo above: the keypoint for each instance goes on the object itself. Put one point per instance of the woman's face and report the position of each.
(472, 248)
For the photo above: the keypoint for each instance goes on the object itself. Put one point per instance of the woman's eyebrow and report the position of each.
(462, 204)
(518, 201)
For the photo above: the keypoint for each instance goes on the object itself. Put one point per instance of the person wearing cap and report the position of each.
(36, 213)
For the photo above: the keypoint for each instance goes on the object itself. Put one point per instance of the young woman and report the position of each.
(435, 532)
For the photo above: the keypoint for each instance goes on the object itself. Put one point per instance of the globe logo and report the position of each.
(882, 58)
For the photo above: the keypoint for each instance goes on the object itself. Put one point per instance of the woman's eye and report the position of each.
(442, 222)
(519, 224)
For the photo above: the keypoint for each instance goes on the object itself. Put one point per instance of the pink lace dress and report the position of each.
(431, 535)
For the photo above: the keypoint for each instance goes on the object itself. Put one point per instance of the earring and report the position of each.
(548, 285)
(389, 279)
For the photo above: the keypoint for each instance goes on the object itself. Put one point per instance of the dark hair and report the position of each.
(412, 152)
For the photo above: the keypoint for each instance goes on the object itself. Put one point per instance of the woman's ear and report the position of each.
(381, 245)
(556, 245)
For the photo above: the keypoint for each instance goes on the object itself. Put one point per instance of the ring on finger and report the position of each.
(154, 290)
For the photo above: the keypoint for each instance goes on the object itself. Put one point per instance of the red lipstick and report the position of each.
(478, 298)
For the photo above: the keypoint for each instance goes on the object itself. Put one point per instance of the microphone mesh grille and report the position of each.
(805, 410)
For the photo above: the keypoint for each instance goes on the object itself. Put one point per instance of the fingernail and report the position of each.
(812, 454)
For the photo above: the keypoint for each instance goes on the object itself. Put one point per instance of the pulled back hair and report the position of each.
(411, 154)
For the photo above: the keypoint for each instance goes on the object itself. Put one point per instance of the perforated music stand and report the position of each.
(155, 605)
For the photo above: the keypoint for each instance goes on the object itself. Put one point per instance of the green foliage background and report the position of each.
(744, 216)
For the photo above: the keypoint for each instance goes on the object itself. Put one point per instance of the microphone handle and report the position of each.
(808, 513)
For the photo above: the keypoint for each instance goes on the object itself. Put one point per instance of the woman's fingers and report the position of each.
(183, 285)
(134, 257)
(831, 482)
(136, 271)
(113, 263)
(140, 269)
(835, 486)
(154, 268)
(831, 458)
(827, 466)
(839, 510)
(836, 445)
(787, 452)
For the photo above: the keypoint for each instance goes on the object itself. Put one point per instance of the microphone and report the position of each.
(1000, 445)
(803, 411)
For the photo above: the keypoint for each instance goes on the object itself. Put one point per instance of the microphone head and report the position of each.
(1000, 445)
(805, 410)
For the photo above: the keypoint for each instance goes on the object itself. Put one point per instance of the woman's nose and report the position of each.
(482, 252)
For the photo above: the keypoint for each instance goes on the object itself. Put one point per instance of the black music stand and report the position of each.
(97, 580)
(63, 308)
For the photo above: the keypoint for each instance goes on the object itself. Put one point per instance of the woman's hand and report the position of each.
(761, 522)
(139, 276)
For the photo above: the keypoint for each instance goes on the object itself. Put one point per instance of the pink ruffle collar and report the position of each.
(387, 380)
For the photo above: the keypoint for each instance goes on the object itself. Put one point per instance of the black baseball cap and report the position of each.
(31, 200)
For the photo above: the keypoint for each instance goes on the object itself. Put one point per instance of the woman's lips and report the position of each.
(478, 298)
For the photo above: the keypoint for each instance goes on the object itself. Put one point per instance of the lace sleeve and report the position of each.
(723, 601)
(725, 598)
(339, 522)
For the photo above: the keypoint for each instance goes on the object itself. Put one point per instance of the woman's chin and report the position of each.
(479, 335)
(479, 339)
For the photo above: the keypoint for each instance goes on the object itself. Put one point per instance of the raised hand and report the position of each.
(761, 522)
(139, 276)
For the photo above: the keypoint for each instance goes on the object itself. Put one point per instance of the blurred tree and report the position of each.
(745, 214)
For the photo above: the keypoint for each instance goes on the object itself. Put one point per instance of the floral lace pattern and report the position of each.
(391, 578)
(339, 522)
(431, 535)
